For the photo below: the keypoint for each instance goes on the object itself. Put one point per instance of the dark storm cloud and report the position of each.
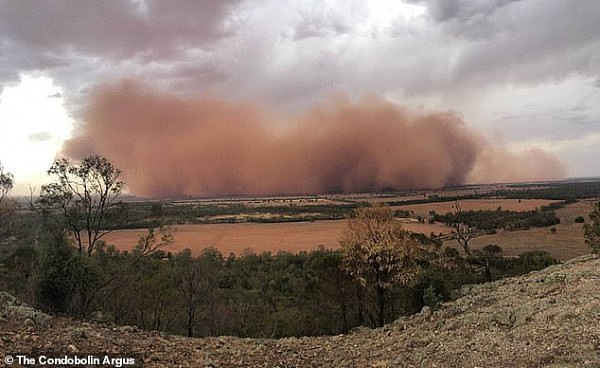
(297, 53)
(46, 35)
(291, 55)
(531, 41)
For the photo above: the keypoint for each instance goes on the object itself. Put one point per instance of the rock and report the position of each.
(79, 333)
(210, 364)
(126, 329)
(29, 323)
(100, 317)
(426, 311)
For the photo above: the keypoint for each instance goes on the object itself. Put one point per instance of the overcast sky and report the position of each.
(520, 72)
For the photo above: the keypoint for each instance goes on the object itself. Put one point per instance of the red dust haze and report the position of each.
(170, 146)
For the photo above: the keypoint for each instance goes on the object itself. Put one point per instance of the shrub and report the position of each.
(579, 219)
(66, 280)
(431, 298)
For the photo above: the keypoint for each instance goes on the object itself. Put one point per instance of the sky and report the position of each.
(523, 74)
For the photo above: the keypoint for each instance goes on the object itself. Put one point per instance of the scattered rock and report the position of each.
(426, 311)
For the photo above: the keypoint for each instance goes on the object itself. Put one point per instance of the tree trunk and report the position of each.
(190, 322)
(381, 300)
(360, 304)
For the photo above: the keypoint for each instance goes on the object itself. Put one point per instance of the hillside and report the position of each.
(549, 318)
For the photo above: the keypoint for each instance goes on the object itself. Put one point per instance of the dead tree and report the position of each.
(463, 233)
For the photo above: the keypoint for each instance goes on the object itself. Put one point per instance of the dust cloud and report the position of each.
(168, 145)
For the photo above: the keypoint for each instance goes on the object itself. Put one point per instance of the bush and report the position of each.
(54, 283)
(579, 219)
(431, 298)
(66, 280)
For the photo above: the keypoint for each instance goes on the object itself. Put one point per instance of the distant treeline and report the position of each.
(492, 220)
(555, 191)
(144, 214)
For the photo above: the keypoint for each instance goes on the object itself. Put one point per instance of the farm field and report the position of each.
(567, 242)
(476, 204)
(235, 238)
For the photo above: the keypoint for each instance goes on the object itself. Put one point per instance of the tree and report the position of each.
(84, 199)
(591, 231)
(462, 232)
(6, 184)
(197, 281)
(6, 205)
(378, 253)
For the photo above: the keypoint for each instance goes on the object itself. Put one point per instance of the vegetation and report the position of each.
(7, 204)
(56, 259)
(591, 231)
(252, 295)
(489, 221)
(82, 200)
(378, 254)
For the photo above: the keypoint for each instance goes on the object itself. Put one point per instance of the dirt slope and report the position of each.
(549, 318)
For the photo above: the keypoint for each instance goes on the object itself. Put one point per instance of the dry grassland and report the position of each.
(566, 243)
(235, 238)
(476, 204)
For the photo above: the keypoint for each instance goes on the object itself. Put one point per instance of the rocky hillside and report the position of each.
(549, 318)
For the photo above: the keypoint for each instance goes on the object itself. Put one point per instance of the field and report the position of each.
(476, 204)
(235, 238)
(565, 243)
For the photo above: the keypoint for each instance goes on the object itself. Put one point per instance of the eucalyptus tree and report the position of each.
(83, 200)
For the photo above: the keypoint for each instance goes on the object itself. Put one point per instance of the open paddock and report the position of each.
(271, 237)
(567, 242)
(476, 204)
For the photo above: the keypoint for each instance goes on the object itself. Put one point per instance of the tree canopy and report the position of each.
(83, 200)
(378, 253)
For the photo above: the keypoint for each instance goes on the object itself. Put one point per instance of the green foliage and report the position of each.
(489, 221)
(431, 298)
(54, 285)
(432, 285)
(83, 200)
(6, 183)
(17, 269)
(7, 205)
(66, 280)
(591, 231)
(579, 219)
(257, 295)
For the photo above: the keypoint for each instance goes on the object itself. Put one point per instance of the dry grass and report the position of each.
(235, 238)
(565, 244)
(476, 204)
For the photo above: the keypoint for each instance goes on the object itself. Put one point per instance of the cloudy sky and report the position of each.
(522, 73)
